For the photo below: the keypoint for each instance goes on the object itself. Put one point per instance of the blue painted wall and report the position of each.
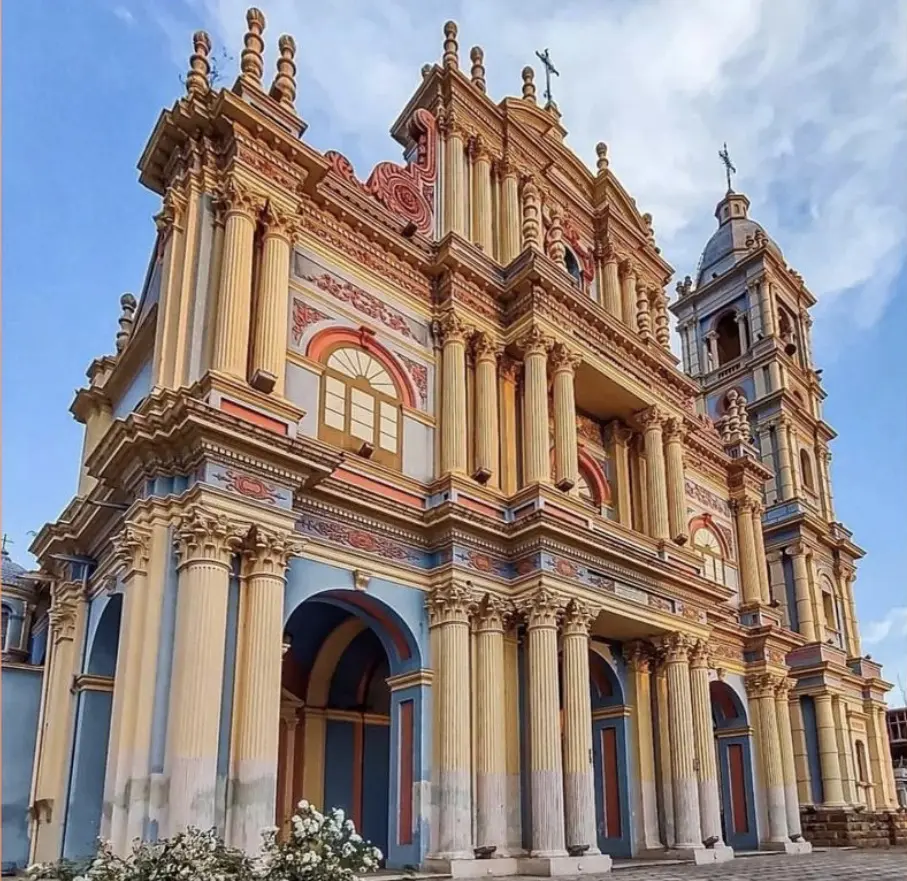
(21, 703)
(790, 593)
(808, 707)
(135, 391)
(338, 765)
(375, 784)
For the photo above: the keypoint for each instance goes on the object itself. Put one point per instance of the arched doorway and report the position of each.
(609, 758)
(352, 719)
(738, 816)
(94, 705)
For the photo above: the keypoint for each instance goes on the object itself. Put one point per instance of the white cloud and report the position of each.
(124, 15)
(893, 624)
(810, 97)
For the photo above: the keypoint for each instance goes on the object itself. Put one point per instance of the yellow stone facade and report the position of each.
(400, 477)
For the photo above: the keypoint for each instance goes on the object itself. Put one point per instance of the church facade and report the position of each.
(394, 497)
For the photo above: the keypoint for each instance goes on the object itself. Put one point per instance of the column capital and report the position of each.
(450, 604)
(745, 505)
(541, 608)
(534, 342)
(131, 548)
(65, 597)
(509, 368)
(486, 347)
(675, 647)
(578, 618)
(564, 358)
(278, 222)
(674, 429)
(618, 433)
(797, 549)
(492, 612)
(783, 687)
(762, 684)
(608, 252)
(268, 552)
(173, 211)
(700, 657)
(202, 536)
(451, 329)
(639, 656)
(651, 417)
(238, 198)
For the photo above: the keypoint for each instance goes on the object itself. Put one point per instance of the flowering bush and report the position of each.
(318, 848)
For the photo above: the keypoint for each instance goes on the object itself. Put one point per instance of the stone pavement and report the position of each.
(821, 865)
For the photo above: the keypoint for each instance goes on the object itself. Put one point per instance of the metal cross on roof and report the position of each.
(729, 168)
(545, 58)
(6, 540)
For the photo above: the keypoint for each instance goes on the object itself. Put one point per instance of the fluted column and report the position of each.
(453, 394)
(206, 544)
(709, 804)
(487, 451)
(788, 766)
(765, 305)
(845, 750)
(846, 579)
(828, 752)
(641, 486)
(761, 690)
(270, 338)
(290, 723)
(665, 763)
(619, 441)
(579, 786)
(454, 180)
(510, 213)
(885, 791)
(746, 544)
(546, 767)
(657, 493)
(765, 593)
(824, 459)
(536, 468)
(628, 293)
(677, 496)
(801, 759)
(234, 299)
(257, 702)
(639, 661)
(684, 783)
(802, 592)
(481, 196)
(740, 319)
(449, 606)
(611, 296)
(564, 364)
(508, 374)
(66, 624)
(491, 747)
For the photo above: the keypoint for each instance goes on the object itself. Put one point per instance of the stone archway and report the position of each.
(353, 717)
(735, 770)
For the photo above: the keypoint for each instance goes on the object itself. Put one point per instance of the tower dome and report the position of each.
(733, 240)
(12, 572)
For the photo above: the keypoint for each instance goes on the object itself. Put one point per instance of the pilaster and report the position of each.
(487, 449)
(709, 804)
(619, 437)
(656, 495)
(453, 394)
(828, 752)
(761, 690)
(564, 363)
(788, 766)
(507, 377)
(802, 591)
(482, 230)
(510, 212)
(628, 292)
(536, 468)
(611, 296)
(746, 542)
(677, 501)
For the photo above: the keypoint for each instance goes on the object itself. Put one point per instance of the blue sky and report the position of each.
(810, 97)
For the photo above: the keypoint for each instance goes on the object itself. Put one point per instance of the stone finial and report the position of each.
(557, 251)
(650, 229)
(251, 63)
(529, 84)
(451, 58)
(284, 86)
(477, 73)
(426, 70)
(197, 83)
(601, 151)
(127, 318)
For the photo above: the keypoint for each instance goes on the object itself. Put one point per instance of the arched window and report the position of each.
(728, 338)
(707, 543)
(360, 406)
(573, 266)
(584, 489)
(5, 614)
(806, 471)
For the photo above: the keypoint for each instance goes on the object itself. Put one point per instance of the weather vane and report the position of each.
(545, 58)
(729, 168)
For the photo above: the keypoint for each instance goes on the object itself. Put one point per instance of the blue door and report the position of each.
(738, 816)
(609, 767)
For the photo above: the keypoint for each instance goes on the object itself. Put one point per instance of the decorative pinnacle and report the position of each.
(284, 86)
(477, 56)
(450, 59)
(197, 83)
(426, 70)
(529, 84)
(251, 63)
(601, 150)
(127, 317)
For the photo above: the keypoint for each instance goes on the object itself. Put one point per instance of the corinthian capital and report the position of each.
(699, 654)
(492, 612)
(238, 198)
(277, 222)
(651, 417)
(761, 684)
(564, 358)
(131, 548)
(486, 347)
(450, 604)
(676, 647)
(268, 552)
(534, 341)
(578, 618)
(451, 329)
(202, 536)
(541, 608)
(674, 429)
(639, 656)
(173, 210)
(65, 597)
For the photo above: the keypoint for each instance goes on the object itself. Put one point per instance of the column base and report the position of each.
(590, 864)
(800, 846)
(471, 868)
(701, 856)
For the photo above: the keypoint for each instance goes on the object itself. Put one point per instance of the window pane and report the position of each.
(333, 419)
(362, 430)
(388, 442)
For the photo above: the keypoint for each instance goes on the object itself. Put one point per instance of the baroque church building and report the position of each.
(394, 497)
